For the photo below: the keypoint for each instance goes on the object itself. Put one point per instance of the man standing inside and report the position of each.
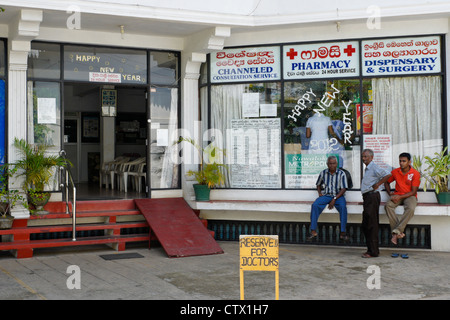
(407, 182)
(334, 183)
(371, 185)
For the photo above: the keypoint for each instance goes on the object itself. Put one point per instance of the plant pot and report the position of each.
(39, 200)
(6, 222)
(443, 197)
(201, 192)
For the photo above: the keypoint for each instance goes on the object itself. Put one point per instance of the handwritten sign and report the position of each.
(259, 253)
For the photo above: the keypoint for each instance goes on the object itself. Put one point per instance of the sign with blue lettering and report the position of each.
(246, 65)
(321, 60)
(401, 56)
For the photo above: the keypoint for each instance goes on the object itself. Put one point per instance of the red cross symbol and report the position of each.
(291, 54)
(349, 50)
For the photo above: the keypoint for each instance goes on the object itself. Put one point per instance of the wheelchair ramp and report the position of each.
(177, 227)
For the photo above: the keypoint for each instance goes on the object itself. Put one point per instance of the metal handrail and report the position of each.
(69, 180)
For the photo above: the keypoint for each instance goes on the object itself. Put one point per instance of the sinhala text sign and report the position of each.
(321, 60)
(246, 64)
(401, 56)
(259, 253)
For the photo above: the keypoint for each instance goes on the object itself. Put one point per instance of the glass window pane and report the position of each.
(44, 61)
(44, 118)
(105, 65)
(402, 114)
(164, 115)
(320, 120)
(2, 122)
(164, 68)
(246, 120)
(2, 58)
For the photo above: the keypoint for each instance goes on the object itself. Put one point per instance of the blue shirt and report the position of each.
(333, 183)
(372, 174)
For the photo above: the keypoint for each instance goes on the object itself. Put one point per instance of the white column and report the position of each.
(193, 56)
(22, 31)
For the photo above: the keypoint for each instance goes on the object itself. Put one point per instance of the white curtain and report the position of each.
(226, 104)
(169, 170)
(410, 110)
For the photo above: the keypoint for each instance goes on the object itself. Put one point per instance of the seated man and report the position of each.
(407, 182)
(334, 181)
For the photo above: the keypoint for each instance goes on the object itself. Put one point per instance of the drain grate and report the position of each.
(118, 256)
(417, 236)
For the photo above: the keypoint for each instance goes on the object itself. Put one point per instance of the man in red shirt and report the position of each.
(407, 182)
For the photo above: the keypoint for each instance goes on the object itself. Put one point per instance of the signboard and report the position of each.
(321, 60)
(302, 170)
(381, 145)
(109, 102)
(104, 65)
(254, 150)
(259, 253)
(246, 64)
(401, 56)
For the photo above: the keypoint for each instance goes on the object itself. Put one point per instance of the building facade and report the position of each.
(280, 86)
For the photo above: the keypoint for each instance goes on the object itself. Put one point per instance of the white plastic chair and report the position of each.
(106, 169)
(115, 168)
(126, 170)
(138, 175)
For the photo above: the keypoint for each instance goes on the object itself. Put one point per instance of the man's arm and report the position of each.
(397, 197)
(340, 194)
(380, 182)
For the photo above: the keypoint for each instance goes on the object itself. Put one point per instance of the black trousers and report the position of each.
(370, 221)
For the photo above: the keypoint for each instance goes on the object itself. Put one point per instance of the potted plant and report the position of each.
(37, 167)
(435, 174)
(8, 197)
(210, 173)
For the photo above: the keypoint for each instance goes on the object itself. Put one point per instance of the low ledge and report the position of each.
(422, 209)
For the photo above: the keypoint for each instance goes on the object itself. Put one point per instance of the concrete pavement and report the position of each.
(306, 272)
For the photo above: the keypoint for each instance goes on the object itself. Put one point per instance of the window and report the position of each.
(2, 102)
(320, 120)
(246, 119)
(44, 61)
(164, 68)
(405, 110)
(164, 114)
(108, 65)
(333, 98)
(44, 118)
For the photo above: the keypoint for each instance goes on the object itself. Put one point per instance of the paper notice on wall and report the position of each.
(46, 108)
(268, 110)
(250, 105)
(162, 137)
(254, 153)
(381, 145)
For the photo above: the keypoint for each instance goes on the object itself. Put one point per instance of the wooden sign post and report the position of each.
(259, 253)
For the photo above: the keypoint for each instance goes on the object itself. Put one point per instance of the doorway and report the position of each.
(93, 136)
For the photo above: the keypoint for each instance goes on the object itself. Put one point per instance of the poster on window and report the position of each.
(254, 153)
(321, 60)
(302, 170)
(46, 110)
(381, 145)
(401, 56)
(246, 64)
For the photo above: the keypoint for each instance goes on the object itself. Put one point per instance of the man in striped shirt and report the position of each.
(331, 186)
